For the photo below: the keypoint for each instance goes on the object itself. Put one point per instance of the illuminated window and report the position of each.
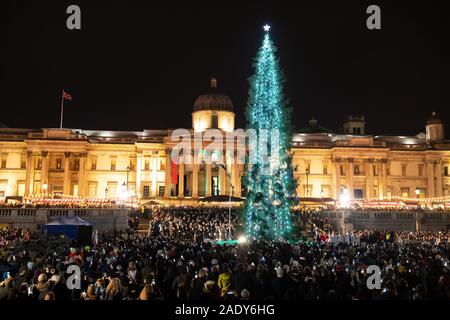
(214, 121)
(389, 192)
(356, 170)
(92, 189)
(161, 191)
(446, 171)
(23, 163)
(162, 164)
(146, 192)
(58, 163)
(132, 164)
(147, 165)
(76, 165)
(405, 192)
(94, 164)
(342, 170)
(3, 187)
(325, 169)
(75, 190)
(404, 169)
(112, 189)
(420, 169)
(113, 164)
(39, 164)
(3, 163)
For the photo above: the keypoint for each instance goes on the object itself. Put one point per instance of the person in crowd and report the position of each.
(170, 263)
(113, 290)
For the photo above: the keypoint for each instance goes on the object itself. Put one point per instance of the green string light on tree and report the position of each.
(270, 182)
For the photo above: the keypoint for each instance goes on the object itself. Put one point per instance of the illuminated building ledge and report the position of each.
(105, 164)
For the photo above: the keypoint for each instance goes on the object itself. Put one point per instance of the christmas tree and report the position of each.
(270, 183)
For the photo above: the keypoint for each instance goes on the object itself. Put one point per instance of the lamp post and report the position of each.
(128, 172)
(321, 198)
(124, 194)
(417, 196)
(45, 187)
(307, 182)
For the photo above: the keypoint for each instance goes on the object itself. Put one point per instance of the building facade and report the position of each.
(105, 163)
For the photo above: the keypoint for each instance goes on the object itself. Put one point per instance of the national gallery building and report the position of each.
(101, 163)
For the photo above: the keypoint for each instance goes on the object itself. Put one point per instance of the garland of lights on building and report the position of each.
(270, 196)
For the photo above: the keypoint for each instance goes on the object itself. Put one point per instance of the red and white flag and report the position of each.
(67, 96)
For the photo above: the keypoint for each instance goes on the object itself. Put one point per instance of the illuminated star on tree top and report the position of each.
(266, 28)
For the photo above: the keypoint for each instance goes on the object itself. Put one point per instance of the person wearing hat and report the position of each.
(279, 284)
(198, 284)
(245, 295)
(41, 288)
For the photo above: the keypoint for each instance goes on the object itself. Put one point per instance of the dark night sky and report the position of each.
(141, 65)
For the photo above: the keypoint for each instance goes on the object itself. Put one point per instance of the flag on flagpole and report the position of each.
(67, 96)
(174, 173)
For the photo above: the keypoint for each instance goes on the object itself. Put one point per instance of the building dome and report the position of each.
(213, 100)
(434, 119)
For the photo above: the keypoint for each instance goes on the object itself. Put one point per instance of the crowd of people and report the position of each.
(178, 260)
(195, 223)
(61, 204)
(14, 236)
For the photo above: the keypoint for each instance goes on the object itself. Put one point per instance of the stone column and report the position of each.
(168, 177)
(438, 179)
(236, 179)
(382, 179)
(349, 180)
(228, 165)
(336, 173)
(67, 180)
(195, 179)
(44, 168)
(155, 160)
(430, 178)
(139, 158)
(369, 178)
(208, 179)
(29, 184)
(181, 177)
(222, 180)
(82, 175)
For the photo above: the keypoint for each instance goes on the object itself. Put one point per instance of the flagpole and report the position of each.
(62, 109)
